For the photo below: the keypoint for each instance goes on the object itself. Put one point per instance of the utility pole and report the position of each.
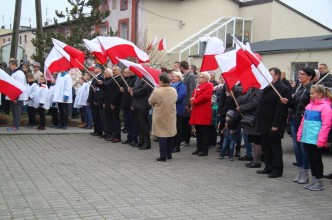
(39, 31)
(16, 29)
(39, 16)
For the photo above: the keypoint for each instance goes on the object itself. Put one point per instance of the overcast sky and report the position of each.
(320, 10)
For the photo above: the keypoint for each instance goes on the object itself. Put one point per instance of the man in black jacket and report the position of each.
(128, 113)
(95, 100)
(270, 123)
(140, 94)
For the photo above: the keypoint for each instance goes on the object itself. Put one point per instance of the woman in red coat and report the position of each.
(201, 113)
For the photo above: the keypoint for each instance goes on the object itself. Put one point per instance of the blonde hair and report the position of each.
(325, 91)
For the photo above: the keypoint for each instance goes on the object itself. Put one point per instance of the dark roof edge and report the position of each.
(303, 15)
(251, 3)
(290, 50)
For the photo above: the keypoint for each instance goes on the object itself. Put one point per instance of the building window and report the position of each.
(25, 39)
(296, 66)
(20, 40)
(8, 39)
(124, 5)
(113, 4)
(4, 41)
(123, 29)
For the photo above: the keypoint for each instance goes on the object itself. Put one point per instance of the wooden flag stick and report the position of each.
(323, 77)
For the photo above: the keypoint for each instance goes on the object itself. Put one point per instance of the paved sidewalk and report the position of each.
(77, 176)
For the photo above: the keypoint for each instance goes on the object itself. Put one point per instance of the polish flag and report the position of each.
(214, 47)
(10, 86)
(95, 48)
(55, 62)
(152, 44)
(149, 73)
(118, 47)
(162, 44)
(76, 57)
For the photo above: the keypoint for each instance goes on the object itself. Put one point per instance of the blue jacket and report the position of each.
(181, 90)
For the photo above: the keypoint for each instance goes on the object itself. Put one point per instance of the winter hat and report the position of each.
(178, 74)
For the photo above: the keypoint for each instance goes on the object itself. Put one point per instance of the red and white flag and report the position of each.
(95, 48)
(162, 44)
(55, 62)
(150, 74)
(10, 86)
(214, 47)
(116, 47)
(76, 57)
(152, 44)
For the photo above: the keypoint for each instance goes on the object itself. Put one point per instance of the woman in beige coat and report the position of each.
(163, 101)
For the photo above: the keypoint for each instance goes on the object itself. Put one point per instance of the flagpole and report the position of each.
(79, 71)
(323, 77)
(236, 103)
(237, 42)
(147, 83)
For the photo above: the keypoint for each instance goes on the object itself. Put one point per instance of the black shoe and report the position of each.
(263, 171)
(126, 142)
(329, 176)
(201, 154)
(60, 126)
(64, 127)
(102, 135)
(245, 158)
(175, 150)
(169, 157)
(163, 159)
(96, 134)
(195, 152)
(137, 145)
(253, 165)
(144, 148)
(294, 164)
(274, 175)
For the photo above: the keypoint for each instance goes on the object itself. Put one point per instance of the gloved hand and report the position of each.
(41, 104)
(65, 98)
(53, 104)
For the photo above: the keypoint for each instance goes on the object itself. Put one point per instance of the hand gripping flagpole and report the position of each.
(240, 44)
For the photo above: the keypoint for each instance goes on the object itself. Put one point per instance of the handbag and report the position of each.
(248, 120)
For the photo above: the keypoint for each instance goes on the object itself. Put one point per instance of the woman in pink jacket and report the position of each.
(201, 113)
(314, 130)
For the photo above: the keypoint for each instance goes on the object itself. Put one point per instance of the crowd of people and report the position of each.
(186, 104)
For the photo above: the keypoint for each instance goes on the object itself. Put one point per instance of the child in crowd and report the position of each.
(314, 130)
(81, 98)
(53, 105)
(231, 132)
(32, 91)
(42, 102)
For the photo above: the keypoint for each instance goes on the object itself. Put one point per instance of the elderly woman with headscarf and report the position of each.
(181, 90)
(201, 113)
(163, 101)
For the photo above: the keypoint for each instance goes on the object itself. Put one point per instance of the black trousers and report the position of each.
(116, 122)
(41, 112)
(178, 136)
(186, 130)
(165, 146)
(108, 121)
(31, 115)
(55, 116)
(315, 159)
(96, 119)
(272, 150)
(143, 126)
(212, 135)
(63, 113)
(82, 114)
(202, 138)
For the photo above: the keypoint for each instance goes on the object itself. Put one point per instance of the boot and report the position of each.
(313, 181)
(304, 177)
(298, 175)
(318, 185)
(237, 151)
